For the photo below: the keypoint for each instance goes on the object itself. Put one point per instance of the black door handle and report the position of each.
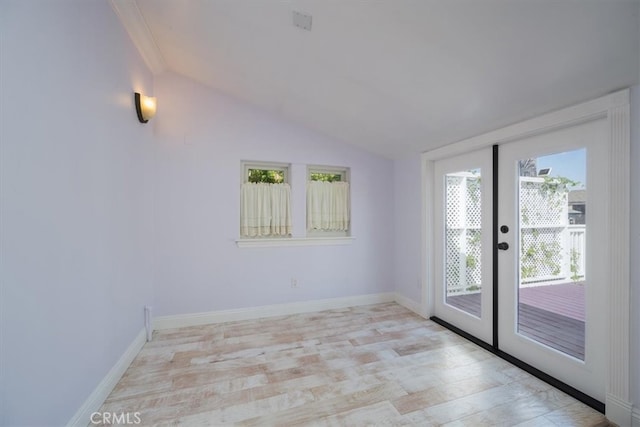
(503, 246)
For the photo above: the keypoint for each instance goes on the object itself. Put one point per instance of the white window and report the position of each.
(328, 201)
(265, 200)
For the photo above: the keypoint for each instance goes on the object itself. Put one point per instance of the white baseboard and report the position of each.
(104, 388)
(409, 304)
(249, 313)
(618, 411)
(635, 417)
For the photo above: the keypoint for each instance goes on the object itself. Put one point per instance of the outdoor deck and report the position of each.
(553, 315)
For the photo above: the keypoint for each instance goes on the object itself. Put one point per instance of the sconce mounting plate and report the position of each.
(301, 20)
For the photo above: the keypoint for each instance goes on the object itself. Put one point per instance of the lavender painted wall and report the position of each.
(75, 205)
(408, 229)
(202, 138)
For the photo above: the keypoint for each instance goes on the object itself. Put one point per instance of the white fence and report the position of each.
(551, 250)
(577, 250)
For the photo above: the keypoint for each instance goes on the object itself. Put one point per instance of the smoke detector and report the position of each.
(301, 20)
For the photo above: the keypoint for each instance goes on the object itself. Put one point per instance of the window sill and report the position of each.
(294, 241)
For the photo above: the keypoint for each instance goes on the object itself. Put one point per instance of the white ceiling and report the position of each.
(396, 76)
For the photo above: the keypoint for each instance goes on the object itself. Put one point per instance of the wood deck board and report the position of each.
(566, 299)
(558, 327)
(469, 303)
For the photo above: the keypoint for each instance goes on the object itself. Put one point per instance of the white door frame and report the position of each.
(615, 108)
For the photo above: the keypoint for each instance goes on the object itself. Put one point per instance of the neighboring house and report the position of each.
(577, 206)
(528, 167)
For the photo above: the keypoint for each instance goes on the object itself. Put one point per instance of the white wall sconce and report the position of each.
(145, 107)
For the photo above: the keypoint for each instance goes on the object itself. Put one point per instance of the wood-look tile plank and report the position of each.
(326, 407)
(443, 393)
(377, 414)
(278, 404)
(578, 415)
(468, 405)
(516, 411)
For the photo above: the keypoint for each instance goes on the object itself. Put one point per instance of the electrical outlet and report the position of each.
(294, 282)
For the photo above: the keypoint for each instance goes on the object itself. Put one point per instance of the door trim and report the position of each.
(615, 108)
(494, 259)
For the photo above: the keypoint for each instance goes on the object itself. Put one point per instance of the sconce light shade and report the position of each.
(145, 107)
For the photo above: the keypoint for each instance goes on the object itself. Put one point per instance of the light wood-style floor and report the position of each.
(369, 365)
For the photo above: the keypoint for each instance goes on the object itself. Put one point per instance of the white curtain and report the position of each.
(327, 206)
(265, 210)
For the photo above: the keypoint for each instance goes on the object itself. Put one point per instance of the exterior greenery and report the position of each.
(557, 184)
(275, 176)
(539, 255)
(326, 177)
(270, 176)
(574, 266)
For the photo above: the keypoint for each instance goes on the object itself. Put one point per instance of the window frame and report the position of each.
(291, 171)
(344, 172)
(247, 165)
(345, 175)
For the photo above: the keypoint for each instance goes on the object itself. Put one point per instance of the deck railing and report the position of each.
(577, 250)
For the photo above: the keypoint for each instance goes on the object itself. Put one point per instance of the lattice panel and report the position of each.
(544, 221)
(454, 198)
(474, 202)
(541, 254)
(540, 205)
(474, 260)
(463, 220)
(453, 274)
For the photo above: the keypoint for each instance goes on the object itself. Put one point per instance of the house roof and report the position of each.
(577, 196)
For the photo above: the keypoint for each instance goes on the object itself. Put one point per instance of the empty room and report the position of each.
(311, 212)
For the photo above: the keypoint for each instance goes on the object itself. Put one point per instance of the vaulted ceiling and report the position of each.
(395, 76)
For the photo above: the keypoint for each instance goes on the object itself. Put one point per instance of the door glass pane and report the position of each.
(552, 230)
(463, 261)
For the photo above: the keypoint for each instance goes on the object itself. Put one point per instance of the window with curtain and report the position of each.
(265, 201)
(328, 210)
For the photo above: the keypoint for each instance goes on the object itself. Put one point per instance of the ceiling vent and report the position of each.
(301, 20)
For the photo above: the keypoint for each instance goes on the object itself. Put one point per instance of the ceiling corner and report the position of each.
(133, 21)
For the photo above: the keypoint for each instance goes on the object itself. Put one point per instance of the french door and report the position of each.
(463, 247)
(544, 223)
